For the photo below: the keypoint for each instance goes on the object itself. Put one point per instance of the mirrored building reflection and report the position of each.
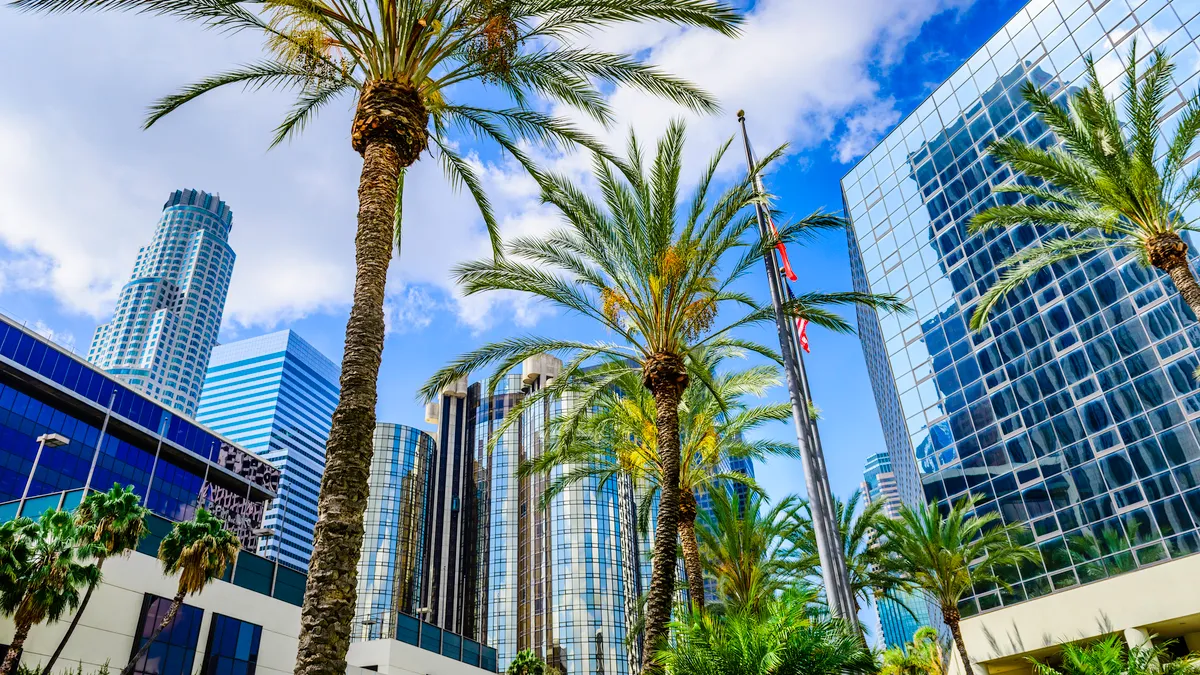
(393, 552)
(507, 573)
(1074, 410)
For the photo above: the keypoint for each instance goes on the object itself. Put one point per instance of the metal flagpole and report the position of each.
(829, 549)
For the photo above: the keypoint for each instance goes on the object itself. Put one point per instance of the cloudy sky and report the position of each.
(81, 185)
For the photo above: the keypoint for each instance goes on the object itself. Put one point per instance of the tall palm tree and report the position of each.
(784, 641)
(754, 552)
(42, 575)
(945, 555)
(198, 551)
(874, 572)
(401, 62)
(109, 524)
(620, 438)
(1104, 184)
(655, 276)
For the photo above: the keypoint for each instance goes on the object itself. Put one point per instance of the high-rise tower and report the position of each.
(1074, 410)
(274, 395)
(167, 316)
(501, 570)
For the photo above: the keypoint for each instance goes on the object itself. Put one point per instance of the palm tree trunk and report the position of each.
(14, 650)
(162, 625)
(951, 616)
(666, 378)
(691, 549)
(389, 132)
(1168, 252)
(87, 597)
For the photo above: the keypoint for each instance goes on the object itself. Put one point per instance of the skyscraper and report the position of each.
(507, 573)
(879, 483)
(899, 616)
(1074, 410)
(274, 395)
(393, 552)
(167, 316)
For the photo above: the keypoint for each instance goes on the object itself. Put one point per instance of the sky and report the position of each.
(82, 185)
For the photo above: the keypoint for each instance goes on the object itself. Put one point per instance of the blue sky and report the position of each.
(81, 185)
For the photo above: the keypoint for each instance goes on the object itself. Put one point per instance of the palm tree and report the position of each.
(874, 572)
(620, 438)
(786, 641)
(42, 575)
(945, 555)
(198, 551)
(655, 276)
(110, 524)
(1103, 185)
(1110, 655)
(401, 61)
(921, 656)
(527, 662)
(754, 552)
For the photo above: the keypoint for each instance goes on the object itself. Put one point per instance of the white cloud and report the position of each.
(64, 338)
(80, 184)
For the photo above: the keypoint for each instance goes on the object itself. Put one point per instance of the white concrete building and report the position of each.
(224, 630)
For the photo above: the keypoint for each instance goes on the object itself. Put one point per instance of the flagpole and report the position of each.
(829, 550)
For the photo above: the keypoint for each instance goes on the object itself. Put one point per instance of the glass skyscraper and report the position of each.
(899, 616)
(168, 314)
(274, 394)
(504, 571)
(393, 553)
(1074, 411)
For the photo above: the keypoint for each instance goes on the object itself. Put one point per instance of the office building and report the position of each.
(274, 395)
(167, 316)
(899, 616)
(114, 435)
(505, 572)
(393, 553)
(879, 484)
(1074, 411)
(235, 626)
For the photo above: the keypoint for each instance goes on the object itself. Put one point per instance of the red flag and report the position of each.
(802, 325)
(787, 266)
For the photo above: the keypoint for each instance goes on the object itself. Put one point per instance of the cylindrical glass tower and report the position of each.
(392, 557)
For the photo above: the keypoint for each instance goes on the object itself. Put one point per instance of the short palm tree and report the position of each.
(921, 656)
(945, 555)
(655, 276)
(198, 551)
(1104, 184)
(42, 574)
(401, 62)
(753, 551)
(874, 572)
(1111, 655)
(783, 640)
(108, 524)
(527, 662)
(620, 438)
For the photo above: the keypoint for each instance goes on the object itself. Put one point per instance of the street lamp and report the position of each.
(52, 440)
(368, 623)
(423, 612)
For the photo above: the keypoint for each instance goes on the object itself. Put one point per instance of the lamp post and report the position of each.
(52, 440)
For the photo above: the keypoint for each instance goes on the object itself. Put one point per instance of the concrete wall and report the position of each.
(1163, 600)
(105, 632)
(391, 657)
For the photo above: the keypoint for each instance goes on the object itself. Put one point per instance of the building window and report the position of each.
(174, 651)
(232, 646)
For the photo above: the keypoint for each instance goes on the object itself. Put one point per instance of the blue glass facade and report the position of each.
(167, 317)
(393, 553)
(1074, 410)
(232, 646)
(115, 436)
(517, 577)
(174, 650)
(274, 395)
